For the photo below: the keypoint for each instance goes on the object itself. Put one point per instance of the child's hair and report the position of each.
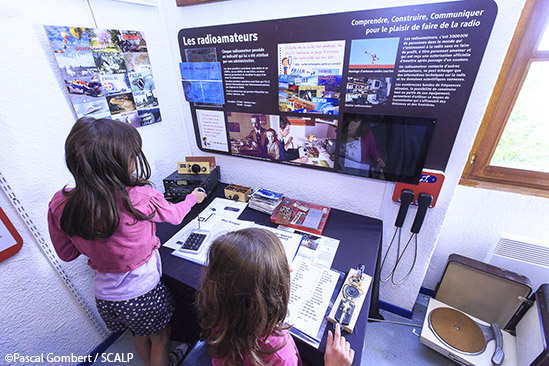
(102, 155)
(244, 294)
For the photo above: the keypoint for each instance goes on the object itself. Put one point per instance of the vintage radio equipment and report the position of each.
(237, 193)
(193, 168)
(481, 315)
(177, 186)
(196, 165)
(350, 299)
(209, 159)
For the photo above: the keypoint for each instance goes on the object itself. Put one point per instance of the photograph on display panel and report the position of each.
(300, 140)
(309, 76)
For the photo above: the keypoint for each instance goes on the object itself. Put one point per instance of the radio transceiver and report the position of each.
(193, 167)
(177, 186)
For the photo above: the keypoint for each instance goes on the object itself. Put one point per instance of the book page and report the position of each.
(312, 289)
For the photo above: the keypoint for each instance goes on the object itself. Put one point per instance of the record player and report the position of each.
(482, 315)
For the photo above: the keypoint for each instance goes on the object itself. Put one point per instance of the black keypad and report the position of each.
(193, 242)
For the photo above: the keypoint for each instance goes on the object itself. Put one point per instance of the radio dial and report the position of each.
(195, 168)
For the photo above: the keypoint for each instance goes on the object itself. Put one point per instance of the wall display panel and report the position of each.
(107, 73)
(294, 90)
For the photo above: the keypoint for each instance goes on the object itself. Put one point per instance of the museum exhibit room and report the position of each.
(245, 182)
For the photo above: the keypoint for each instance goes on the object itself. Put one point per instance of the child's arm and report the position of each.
(61, 242)
(174, 213)
(338, 350)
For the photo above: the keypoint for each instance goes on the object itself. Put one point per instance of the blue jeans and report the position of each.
(198, 356)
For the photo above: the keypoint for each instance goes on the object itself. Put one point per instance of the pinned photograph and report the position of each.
(132, 41)
(110, 62)
(104, 40)
(115, 84)
(367, 91)
(121, 103)
(309, 77)
(137, 62)
(374, 53)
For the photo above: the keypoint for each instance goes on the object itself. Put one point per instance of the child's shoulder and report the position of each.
(142, 193)
(58, 199)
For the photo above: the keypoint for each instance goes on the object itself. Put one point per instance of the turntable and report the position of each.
(493, 339)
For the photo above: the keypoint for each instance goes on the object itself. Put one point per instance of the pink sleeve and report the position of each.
(170, 212)
(62, 244)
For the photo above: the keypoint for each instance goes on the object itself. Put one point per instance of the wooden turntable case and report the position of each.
(489, 294)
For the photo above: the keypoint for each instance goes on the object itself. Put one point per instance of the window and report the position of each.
(511, 150)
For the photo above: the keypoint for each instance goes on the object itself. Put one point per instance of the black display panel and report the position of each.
(401, 68)
(385, 147)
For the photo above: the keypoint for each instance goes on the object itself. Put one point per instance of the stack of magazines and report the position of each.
(265, 201)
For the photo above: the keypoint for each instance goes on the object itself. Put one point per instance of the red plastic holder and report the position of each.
(430, 183)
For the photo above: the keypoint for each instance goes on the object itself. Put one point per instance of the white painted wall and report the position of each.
(478, 218)
(35, 117)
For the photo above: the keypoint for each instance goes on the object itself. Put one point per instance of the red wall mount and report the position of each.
(10, 240)
(430, 182)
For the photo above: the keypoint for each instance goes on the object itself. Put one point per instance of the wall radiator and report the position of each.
(524, 256)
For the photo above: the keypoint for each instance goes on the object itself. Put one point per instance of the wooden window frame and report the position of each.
(522, 52)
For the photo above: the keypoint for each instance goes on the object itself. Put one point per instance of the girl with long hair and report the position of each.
(109, 216)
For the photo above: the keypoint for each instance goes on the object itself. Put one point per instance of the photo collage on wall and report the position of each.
(107, 73)
(376, 93)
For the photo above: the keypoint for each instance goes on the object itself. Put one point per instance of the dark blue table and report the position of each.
(360, 243)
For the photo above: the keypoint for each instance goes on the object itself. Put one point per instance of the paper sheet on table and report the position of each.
(318, 249)
(217, 225)
(224, 207)
(290, 241)
(313, 291)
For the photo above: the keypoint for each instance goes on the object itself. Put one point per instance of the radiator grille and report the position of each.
(522, 251)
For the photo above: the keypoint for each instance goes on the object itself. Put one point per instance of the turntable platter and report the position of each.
(457, 330)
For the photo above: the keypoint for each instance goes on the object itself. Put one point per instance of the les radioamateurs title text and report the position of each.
(226, 38)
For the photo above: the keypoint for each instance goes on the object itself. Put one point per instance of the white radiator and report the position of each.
(525, 256)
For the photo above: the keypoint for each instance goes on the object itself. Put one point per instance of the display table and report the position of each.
(360, 243)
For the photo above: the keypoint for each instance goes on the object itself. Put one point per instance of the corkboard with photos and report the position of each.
(107, 73)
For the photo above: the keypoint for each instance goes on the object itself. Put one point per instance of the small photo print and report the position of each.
(149, 116)
(145, 99)
(109, 63)
(132, 41)
(374, 53)
(97, 108)
(81, 88)
(367, 91)
(115, 84)
(131, 118)
(121, 103)
(137, 62)
(104, 40)
(141, 81)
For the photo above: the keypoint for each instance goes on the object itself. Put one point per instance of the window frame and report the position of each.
(522, 52)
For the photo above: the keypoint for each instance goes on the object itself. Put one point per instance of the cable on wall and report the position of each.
(46, 249)
(91, 12)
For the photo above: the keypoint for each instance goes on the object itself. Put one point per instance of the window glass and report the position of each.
(525, 140)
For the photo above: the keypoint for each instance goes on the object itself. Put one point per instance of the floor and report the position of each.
(386, 343)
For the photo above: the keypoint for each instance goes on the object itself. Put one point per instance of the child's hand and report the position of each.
(199, 195)
(338, 351)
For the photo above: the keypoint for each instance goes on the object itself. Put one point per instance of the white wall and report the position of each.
(478, 218)
(35, 117)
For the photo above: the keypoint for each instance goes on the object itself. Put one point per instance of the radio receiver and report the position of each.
(193, 168)
(177, 186)
(237, 193)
